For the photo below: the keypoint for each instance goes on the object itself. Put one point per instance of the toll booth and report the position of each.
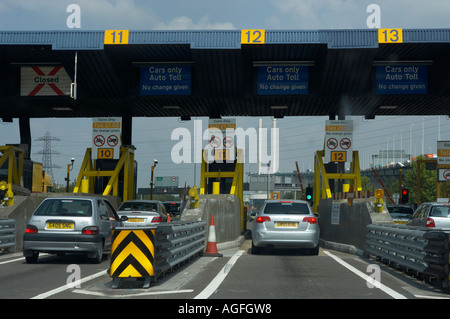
(108, 176)
(223, 175)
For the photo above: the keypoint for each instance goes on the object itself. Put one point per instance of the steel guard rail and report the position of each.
(148, 252)
(8, 234)
(420, 251)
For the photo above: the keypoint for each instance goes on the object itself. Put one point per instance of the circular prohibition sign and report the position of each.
(345, 143)
(228, 141)
(332, 143)
(99, 140)
(215, 141)
(447, 174)
(112, 140)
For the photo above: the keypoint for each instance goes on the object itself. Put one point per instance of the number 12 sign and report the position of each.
(253, 36)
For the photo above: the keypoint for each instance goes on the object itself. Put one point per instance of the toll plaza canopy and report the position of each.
(224, 73)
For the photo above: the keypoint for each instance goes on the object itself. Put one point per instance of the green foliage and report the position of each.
(427, 183)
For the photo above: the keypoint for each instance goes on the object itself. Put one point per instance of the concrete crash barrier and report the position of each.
(148, 252)
(419, 251)
(8, 235)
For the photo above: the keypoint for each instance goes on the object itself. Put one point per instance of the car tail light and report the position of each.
(311, 220)
(31, 229)
(430, 222)
(90, 230)
(156, 219)
(262, 219)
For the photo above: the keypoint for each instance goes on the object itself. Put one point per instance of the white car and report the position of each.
(432, 214)
(143, 212)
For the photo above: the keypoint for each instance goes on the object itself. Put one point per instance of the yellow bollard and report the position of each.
(378, 205)
(85, 186)
(216, 188)
(193, 194)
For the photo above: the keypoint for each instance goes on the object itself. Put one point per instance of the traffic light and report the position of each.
(405, 195)
(309, 193)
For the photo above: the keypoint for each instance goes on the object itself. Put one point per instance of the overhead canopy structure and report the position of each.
(224, 73)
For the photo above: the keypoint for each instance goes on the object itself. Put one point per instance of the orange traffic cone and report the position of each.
(168, 218)
(211, 246)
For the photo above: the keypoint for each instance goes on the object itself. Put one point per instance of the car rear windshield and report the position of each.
(141, 206)
(173, 208)
(65, 207)
(401, 211)
(440, 211)
(286, 208)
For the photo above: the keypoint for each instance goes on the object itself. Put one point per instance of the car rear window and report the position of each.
(173, 208)
(440, 211)
(401, 211)
(141, 206)
(65, 207)
(286, 207)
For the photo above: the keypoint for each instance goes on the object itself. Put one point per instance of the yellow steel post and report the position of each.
(203, 177)
(88, 171)
(86, 165)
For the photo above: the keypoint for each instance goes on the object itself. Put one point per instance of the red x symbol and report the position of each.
(41, 85)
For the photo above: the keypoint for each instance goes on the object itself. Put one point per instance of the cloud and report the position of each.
(330, 14)
(186, 23)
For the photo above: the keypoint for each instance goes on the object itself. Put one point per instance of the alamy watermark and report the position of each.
(191, 148)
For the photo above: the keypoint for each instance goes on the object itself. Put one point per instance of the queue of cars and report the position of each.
(84, 224)
(74, 224)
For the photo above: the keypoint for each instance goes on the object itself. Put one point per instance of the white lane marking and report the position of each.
(17, 259)
(11, 261)
(102, 294)
(66, 287)
(431, 297)
(215, 283)
(382, 287)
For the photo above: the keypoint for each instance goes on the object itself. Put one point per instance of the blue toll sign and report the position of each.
(282, 80)
(165, 80)
(402, 79)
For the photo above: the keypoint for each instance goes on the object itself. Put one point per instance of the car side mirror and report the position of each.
(123, 218)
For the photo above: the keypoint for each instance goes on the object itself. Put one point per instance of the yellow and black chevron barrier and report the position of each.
(133, 254)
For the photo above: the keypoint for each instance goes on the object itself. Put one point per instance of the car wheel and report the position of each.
(256, 250)
(99, 256)
(314, 251)
(33, 258)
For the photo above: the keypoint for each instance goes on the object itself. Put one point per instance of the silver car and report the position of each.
(432, 214)
(143, 212)
(72, 224)
(286, 224)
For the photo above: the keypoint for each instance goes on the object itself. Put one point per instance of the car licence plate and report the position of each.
(136, 220)
(285, 224)
(54, 225)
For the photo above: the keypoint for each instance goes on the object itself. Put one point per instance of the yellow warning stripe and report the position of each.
(130, 258)
(132, 249)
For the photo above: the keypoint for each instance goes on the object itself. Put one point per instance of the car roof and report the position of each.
(142, 201)
(72, 197)
(285, 200)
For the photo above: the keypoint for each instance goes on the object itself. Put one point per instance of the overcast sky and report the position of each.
(300, 137)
